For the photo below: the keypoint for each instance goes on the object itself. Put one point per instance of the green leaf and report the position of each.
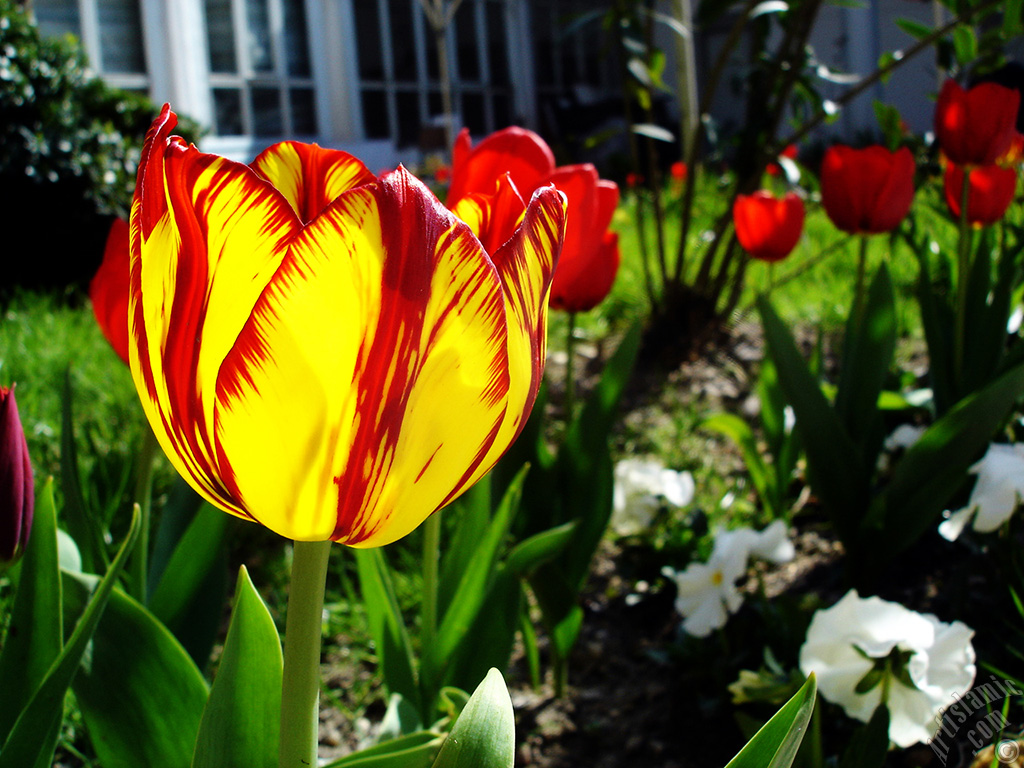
(937, 322)
(868, 348)
(190, 597)
(837, 473)
(776, 744)
(469, 596)
(83, 527)
(539, 549)
(965, 44)
(183, 504)
(736, 429)
(559, 605)
(484, 736)
(473, 510)
(490, 639)
(934, 467)
(387, 628)
(914, 28)
(31, 741)
(1013, 10)
(870, 742)
(417, 750)
(140, 694)
(584, 469)
(35, 633)
(241, 722)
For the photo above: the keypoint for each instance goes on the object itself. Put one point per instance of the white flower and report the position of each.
(707, 592)
(996, 493)
(842, 646)
(642, 486)
(770, 544)
(904, 436)
(901, 438)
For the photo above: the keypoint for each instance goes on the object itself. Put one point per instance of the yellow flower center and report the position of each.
(717, 578)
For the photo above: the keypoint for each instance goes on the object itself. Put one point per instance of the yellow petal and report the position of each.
(372, 377)
(309, 176)
(207, 234)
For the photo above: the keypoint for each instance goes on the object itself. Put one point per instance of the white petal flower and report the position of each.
(707, 592)
(773, 544)
(770, 544)
(642, 486)
(845, 642)
(904, 436)
(996, 494)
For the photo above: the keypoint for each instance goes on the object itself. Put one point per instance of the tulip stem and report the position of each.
(862, 261)
(300, 693)
(431, 558)
(570, 374)
(139, 564)
(963, 273)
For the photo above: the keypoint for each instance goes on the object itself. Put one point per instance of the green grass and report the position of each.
(41, 340)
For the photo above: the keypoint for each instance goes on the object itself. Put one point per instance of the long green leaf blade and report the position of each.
(35, 633)
(776, 744)
(241, 722)
(140, 695)
(30, 742)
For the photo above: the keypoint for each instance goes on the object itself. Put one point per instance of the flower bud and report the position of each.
(17, 492)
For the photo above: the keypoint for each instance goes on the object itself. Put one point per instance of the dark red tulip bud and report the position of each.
(17, 489)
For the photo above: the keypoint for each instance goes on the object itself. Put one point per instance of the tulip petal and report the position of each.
(108, 289)
(526, 265)
(492, 217)
(412, 329)
(206, 235)
(310, 176)
(520, 153)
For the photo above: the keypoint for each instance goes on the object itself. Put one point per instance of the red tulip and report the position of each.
(487, 182)
(865, 191)
(109, 289)
(977, 126)
(520, 153)
(678, 171)
(766, 226)
(590, 254)
(992, 189)
(17, 489)
(634, 180)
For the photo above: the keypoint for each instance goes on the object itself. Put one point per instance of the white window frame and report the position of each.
(247, 78)
(89, 36)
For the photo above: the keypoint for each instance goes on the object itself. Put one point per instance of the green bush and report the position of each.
(69, 149)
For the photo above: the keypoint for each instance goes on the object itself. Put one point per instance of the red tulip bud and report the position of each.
(768, 227)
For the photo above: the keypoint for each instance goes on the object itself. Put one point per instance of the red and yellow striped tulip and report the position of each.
(327, 353)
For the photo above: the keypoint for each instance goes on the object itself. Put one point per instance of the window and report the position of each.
(567, 64)
(110, 32)
(399, 86)
(260, 74)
